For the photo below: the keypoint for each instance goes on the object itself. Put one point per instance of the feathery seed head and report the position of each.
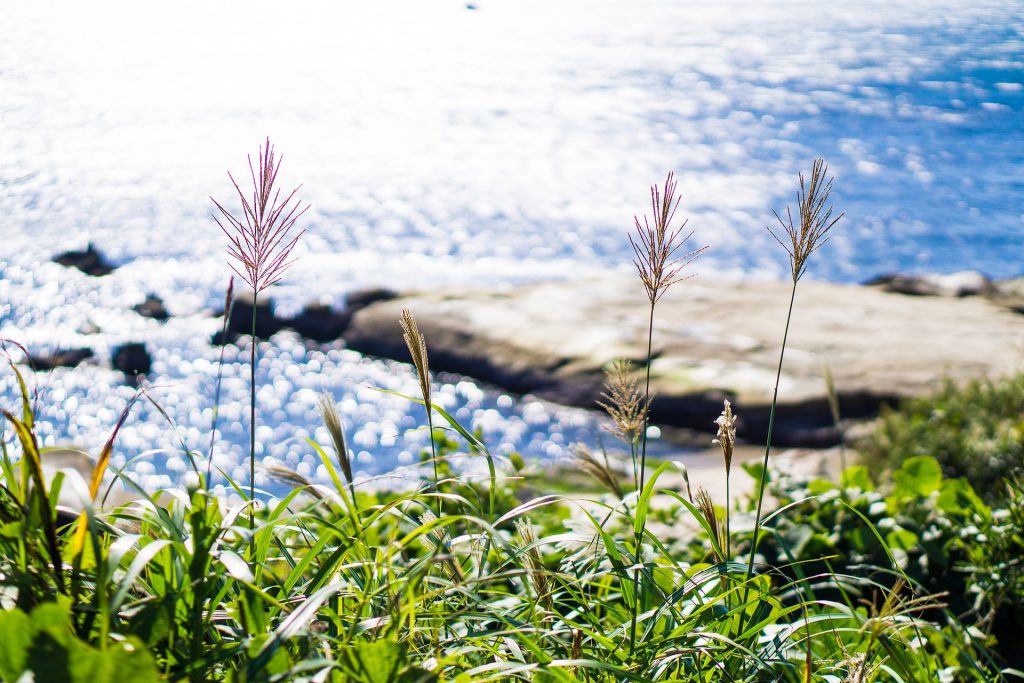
(418, 350)
(261, 240)
(598, 468)
(229, 297)
(707, 509)
(329, 414)
(815, 218)
(726, 437)
(655, 246)
(291, 477)
(623, 401)
(535, 569)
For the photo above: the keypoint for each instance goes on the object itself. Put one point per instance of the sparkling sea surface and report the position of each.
(440, 145)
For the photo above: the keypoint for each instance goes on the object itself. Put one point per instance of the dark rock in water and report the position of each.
(964, 283)
(241, 320)
(132, 359)
(59, 359)
(364, 297)
(317, 322)
(320, 323)
(152, 307)
(90, 261)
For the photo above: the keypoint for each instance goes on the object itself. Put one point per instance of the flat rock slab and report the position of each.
(713, 339)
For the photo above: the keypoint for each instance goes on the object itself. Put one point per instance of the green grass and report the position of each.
(379, 587)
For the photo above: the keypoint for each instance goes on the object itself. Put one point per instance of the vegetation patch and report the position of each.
(975, 431)
(470, 576)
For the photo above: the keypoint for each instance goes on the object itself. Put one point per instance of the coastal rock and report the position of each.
(90, 261)
(361, 298)
(132, 359)
(152, 307)
(713, 340)
(68, 358)
(963, 283)
(241, 320)
(317, 322)
(1009, 293)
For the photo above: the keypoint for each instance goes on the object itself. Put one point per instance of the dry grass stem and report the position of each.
(707, 509)
(418, 350)
(726, 437)
(624, 402)
(439, 539)
(229, 297)
(329, 414)
(656, 246)
(534, 563)
(598, 468)
(261, 240)
(293, 478)
(815, 218)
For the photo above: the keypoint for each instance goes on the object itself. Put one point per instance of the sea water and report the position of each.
(465, 145)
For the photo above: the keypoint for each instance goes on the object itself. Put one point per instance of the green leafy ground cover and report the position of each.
(851, 583)
(975, 432)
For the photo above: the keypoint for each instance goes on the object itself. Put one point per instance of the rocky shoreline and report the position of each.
(715, 338)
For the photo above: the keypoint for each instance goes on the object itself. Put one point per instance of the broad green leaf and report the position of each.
(15, 635)
(920, 476)
(956, 496)
(856, 476)
(379, 661)
(902, 539)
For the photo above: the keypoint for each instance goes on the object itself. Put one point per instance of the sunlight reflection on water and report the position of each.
(442, 146)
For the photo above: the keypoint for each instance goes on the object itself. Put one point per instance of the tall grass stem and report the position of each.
(768, 438)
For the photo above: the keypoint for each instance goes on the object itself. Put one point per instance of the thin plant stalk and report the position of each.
(228, 303)
(638, 537)
(252, 424)
(768, 438)
(800, 241)
(655, 247)
(647, 398)
(260, 244)
(421, 361)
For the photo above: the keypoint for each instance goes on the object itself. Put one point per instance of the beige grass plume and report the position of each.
(655, 246)
(815, 219)
(598, 468)
(418, 350)
(261, 239)
(535, 568)
(329, 415)
(726, 436)
(710, 514)
(623, 401)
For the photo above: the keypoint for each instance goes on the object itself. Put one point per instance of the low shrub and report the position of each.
(930, 531)
(975, 431)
